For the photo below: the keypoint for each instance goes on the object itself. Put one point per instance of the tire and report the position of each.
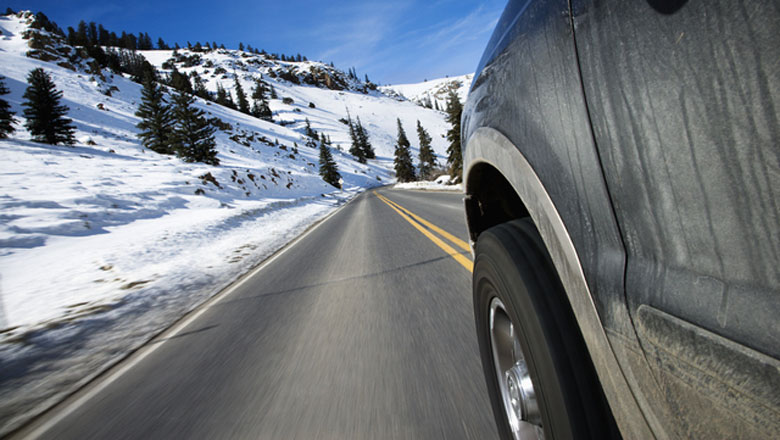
(540, 379)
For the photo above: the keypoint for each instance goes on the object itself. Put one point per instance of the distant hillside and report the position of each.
(432, 93)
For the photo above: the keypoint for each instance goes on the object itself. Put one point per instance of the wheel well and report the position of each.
(490, 200)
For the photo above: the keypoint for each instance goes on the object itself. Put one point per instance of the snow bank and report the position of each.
(442, 183)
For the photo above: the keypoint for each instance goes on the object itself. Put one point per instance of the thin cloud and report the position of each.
(449, 47)
(358, 31)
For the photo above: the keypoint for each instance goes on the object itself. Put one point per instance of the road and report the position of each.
(361, 329)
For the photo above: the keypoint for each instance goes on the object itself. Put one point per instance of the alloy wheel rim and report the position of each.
(516, 387)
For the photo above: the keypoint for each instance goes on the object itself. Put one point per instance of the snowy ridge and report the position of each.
(105, 243)
(432, 93)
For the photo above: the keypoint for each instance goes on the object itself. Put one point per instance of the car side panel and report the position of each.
(684, 100)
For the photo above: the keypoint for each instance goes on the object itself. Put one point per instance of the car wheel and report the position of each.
(540, 378)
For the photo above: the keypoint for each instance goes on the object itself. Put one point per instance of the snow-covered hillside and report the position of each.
(104, 243)
(376, 112)
(432, 93)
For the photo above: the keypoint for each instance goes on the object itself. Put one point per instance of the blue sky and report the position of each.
(391, 41)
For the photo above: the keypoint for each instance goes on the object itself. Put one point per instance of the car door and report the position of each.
(683, 98)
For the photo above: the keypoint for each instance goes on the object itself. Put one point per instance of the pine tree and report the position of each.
(404, 168)
(156, 119)
(365, 144)
(241, 46)
(46, 119)
(7, 119)
(180, 81)
(258, 93)
(193, 134)
(355, 148)
(243, 104)
(427, 158)
(223, 97)
(454, 154)
(308, 130)
(261, 110)
(260, 107)
(199, 87)
(328, 168)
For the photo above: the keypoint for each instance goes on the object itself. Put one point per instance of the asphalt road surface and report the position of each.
(362, 329)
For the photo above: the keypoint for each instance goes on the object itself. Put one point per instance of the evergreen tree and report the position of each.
(104, 37)
(130, 42)
(260, 107)
(261, 110)
(92, 34)
(221, 98)
(328, 168)
(156, 118)
(241, 46)
(200, 87)
(404, 168)
(46, 119)
(355, 148)
(308, 130)
(243, 104)
(161, 44)
(258, 93)
(193, 134)
(365, 144)
(81, 34)
(180, 81)
(427, 158)
(454, 154)
(7, 119)
(224, 98)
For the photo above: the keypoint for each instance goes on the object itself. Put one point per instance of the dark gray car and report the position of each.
(622, 171)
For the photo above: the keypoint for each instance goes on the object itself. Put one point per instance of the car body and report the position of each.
(642, 140)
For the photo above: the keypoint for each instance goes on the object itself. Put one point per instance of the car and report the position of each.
(621, 169)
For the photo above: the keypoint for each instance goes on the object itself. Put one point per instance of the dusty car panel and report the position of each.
(684, 116)
(652, 127)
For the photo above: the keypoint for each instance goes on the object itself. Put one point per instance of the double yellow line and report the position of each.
(421, 224)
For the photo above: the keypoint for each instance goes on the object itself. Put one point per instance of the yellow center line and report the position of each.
(457, 241)
(465, 262)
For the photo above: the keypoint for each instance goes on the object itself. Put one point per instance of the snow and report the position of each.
(433, 91)
(106, 243)
(441, 183)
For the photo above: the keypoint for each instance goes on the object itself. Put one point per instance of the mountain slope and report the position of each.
(432, 93)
